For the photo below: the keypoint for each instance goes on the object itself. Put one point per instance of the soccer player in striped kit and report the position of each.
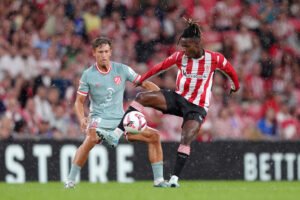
(196, 67)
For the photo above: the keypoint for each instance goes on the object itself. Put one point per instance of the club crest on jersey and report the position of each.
(117, 80)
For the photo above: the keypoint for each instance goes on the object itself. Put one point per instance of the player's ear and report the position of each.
(94, 52)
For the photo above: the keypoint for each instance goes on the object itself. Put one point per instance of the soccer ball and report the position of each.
(134, 122)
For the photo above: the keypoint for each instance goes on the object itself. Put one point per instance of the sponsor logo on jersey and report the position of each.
(117, 80)
(194, 75)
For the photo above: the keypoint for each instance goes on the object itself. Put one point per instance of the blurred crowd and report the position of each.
(45, 46)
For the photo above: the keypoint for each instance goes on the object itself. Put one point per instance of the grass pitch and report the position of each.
(143, 190)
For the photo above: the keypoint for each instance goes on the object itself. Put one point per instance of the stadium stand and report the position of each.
(45, 45)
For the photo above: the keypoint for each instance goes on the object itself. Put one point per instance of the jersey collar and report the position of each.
(102, 72)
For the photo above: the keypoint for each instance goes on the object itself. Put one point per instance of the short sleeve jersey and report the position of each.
(106, 90)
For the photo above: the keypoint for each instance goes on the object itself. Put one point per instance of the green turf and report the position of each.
(198, 190)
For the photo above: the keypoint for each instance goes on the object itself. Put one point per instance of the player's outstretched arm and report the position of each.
(229, 71)
(148, 85)
(79, 109)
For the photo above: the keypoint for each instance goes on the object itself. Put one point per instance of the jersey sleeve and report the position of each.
(131, 75)
(83, 88)
(224, 66)
(162, 66)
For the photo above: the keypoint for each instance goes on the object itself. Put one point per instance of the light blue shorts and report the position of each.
(105, 129)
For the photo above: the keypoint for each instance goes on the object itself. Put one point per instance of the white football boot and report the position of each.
(69, 185)
(173, 182)
(162, 184)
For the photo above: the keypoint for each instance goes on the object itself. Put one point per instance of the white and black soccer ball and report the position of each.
(134, 122)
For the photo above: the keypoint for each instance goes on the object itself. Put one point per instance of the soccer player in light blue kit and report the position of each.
(104, 84)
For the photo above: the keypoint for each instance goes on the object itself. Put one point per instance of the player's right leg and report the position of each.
(158, 101)
(155, 154)
(154, 100)
(81, 156)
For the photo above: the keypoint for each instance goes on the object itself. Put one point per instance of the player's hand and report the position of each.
(232, 90)
(137, 84)
(83, 124)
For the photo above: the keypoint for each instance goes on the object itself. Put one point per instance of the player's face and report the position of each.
(102, 54)
(191, 47)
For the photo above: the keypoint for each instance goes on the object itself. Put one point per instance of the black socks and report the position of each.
(180, 162)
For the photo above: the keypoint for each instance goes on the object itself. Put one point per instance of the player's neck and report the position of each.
(199, 54)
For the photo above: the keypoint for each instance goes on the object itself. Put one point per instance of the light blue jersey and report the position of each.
(106, 91)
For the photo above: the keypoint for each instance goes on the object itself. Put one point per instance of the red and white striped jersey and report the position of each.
(195, 76)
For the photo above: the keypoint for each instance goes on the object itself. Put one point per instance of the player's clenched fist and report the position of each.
(83, 124)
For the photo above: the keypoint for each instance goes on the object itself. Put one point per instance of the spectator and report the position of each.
(115, 6)
(60, 121)
(268, 11)
(92, 19)
(43, 42)
(243, 39)
(268, 125)
(12, 58)
(44, 129)
(226, 126)
(255, 84)
(6, 124)
(43, 107)
(30, 117)
(51, 62)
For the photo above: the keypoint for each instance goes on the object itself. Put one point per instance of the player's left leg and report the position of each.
(190, 131)
(155, 154)
(81, 156)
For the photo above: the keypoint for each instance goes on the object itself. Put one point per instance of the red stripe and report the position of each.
(178, 80)
(136, 78)
(203, 95)
(201, 71)
(187, 83)
(82, 92)
(179, 76)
